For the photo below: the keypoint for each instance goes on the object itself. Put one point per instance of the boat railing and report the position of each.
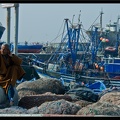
(108, 60)
(38, 63)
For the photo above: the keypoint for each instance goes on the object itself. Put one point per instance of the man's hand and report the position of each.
(10, 54)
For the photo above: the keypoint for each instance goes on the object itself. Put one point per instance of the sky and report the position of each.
(42, 22)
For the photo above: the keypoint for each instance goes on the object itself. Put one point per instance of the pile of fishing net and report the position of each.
(40, 86)
(59, 107)
(109, 104)
(100, 108)
(30, 101)
(111, 97)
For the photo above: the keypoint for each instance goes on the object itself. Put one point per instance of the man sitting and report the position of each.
(10, 71)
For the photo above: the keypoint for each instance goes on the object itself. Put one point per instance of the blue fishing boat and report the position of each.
(63, 62)
(29, 48)
(2, 29)
(66, 65)
(23, 48)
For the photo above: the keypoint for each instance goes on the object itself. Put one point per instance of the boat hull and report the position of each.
(2, 29)
(29, 48)
(29, 51)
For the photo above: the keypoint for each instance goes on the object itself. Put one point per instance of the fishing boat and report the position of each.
(29, 48)
(111, 30)
(2, 29)
(70, 65)
(63, 62)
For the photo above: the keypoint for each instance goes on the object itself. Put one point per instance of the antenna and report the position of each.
(79, 17)
(101, 19)
(73, 19)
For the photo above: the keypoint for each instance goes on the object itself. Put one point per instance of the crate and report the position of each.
(116, 60)
(112, 68)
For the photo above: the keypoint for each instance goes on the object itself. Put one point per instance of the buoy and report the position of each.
(101, 68)
(82, 83)
(106, 40)
(101, 38)
(96, 66)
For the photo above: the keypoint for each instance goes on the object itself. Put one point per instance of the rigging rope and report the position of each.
(94, 21)
(58, 33)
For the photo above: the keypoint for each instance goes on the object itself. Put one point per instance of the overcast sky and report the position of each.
(41, 22)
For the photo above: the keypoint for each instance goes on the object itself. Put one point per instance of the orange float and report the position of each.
(101, 68)
(101, 38)
(106, 40)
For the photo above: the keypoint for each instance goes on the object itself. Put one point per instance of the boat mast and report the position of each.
(73, 34)
(79, 17)
(73, 19)
(117, 32)
(8, 24)
(101, 13)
